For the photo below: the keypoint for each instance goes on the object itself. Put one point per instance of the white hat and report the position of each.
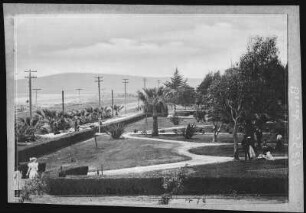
(33, 159)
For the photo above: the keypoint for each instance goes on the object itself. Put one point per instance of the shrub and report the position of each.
(36, 186)
(173, 184)
(189, 131)
(175, 120)
(115, 130)
(199, 115)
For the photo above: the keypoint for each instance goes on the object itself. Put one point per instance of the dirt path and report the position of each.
(182, 149)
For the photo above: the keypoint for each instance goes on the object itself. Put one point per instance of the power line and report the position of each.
(125, 81)
(99, 80)
(30, 88)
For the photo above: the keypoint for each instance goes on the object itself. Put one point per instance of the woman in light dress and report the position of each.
(32, 168)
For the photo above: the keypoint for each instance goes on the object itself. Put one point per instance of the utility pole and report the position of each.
(125, 81)
(99, 79)
(79, 93)
(112, 103)
(63, 101)
(144, 82)
(30, 89)
(36, 96)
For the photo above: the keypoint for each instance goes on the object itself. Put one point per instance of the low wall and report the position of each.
(52, 145)
(153, 186)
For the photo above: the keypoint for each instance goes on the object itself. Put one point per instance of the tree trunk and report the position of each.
(146, 119)
(155, 123)
(215, 137)
(235, 136)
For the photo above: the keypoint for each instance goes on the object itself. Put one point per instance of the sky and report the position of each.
(143, 45)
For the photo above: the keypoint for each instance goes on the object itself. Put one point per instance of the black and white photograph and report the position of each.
(181, 107)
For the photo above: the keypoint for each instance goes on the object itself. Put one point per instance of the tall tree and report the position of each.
(266, 77)
(229, 95)
(213, 102)
(152, 97)
(187, 96)
(174, 88)
(202, 89)
(251, 89)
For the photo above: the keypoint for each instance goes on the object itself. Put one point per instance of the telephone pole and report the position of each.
(99, 79)
(63, 101)
(79, 93)
(125, 81)
(30, 88)
(144, 82)
(36, 96)
(112, 103)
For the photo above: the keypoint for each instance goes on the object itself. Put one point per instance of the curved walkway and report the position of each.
(182, 149)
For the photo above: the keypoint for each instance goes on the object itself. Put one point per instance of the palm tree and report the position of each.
(117, 108)
(26, 127)
(152, 97)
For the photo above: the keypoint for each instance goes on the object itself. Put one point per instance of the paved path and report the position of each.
(182, 149)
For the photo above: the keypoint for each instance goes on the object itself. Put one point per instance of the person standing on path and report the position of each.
(245, 145)
(32, 168)
(258, 137)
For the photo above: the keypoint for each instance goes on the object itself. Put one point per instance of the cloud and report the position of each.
(141, 45)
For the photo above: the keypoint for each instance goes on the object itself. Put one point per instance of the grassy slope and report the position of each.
(113, 154)
(241, 169)
(227, 151)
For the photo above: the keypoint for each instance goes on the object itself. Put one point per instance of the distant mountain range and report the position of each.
(71, 81)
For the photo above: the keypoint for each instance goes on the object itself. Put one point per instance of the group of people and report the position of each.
(32, 173)
(252, 143)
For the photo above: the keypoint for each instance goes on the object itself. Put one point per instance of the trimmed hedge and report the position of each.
(232, 185)
(101, 186)
(53, 145)
(82, 170)
(153, 186)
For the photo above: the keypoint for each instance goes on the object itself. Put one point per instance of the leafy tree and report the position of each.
(153, 97)
(251, 89)
(202, 89)
(187, 95)
(266, 78)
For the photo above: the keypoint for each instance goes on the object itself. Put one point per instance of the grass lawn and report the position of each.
(242, 169)
(198, 138)
(163, 122)
(203, 138)
(113, 154)
(227, 151)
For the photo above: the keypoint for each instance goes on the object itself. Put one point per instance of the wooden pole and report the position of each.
(112, 103)
(63, 101)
